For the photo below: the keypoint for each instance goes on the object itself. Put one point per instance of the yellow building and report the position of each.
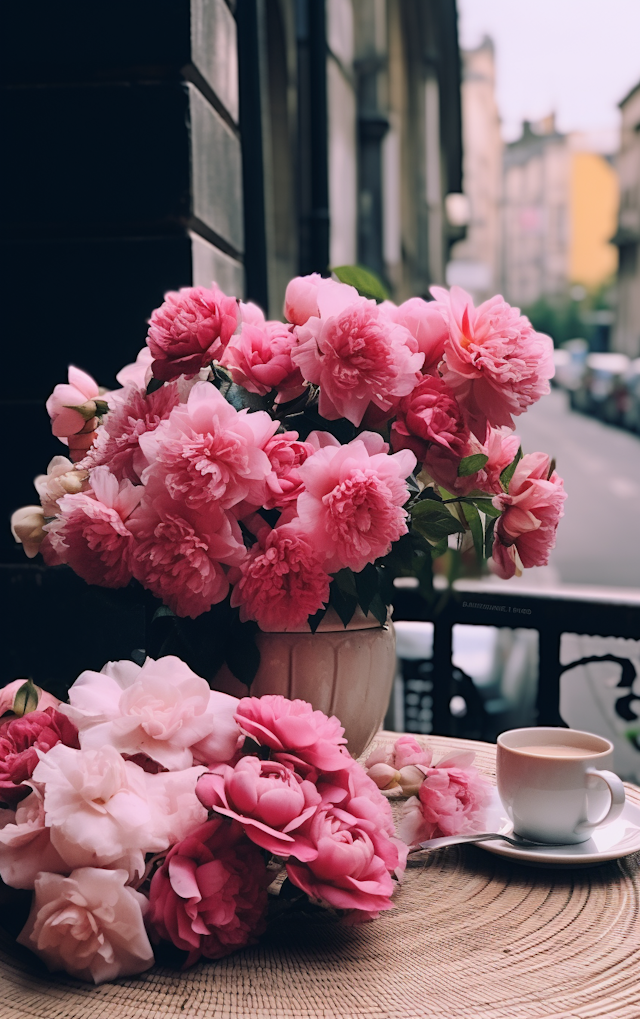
(593, 212)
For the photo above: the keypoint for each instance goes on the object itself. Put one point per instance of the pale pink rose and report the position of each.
(352, 504)
(286, 453)
(27, 528)
(346, 871)
(452, 801)
(407, 751)
(82, 441)
(270, 800)
(496, 364)
(132, 415)
(91, 533)
(357, 357)
(209, 897)
(8, 696)
(526, 531)
(282, 581)
(88, 924)
(293, 726)
(22, 741)
(207, 453)
(259, 359)
(175, 807)
(250, 313)
(304, 296)
(162, 710)
(179, 552)
(80, 391)
(62, 478)
(189, 330)
(428, 416)
(139, 373)
(427, 325)
(98, 808)
(25, 844)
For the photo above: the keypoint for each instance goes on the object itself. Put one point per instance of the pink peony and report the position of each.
(496, 364)
(304, 294)
(25, 844)
(207, 453)
(209, 897)
(104, 811)
(283, 580)
(89, 924)
(139, 373)
(526, 531)
(162, 710)
(132, 415)
(430, 415)
(451, 801)
(81, 391)
(179, 552)
(21, 740)
(62, 478)
(425, 322)
(8, 696)
(501, 447)
(351, 508)
(269, 799)
(293, 726)
(286, 453)
(91, 533)
(357, 357)
(259, 359)
(346, 871)
(189, 330)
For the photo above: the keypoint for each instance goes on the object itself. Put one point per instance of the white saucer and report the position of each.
(610, 842)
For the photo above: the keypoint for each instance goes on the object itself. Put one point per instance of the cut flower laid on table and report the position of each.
(151, 810)
(251, 473)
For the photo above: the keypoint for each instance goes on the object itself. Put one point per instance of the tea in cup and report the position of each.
(553, 785)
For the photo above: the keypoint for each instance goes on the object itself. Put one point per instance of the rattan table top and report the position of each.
(473, 936)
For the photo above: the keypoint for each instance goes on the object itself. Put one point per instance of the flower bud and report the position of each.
(87, 410)
(384, 776)
(26, 699)
(411, 778)
(27, 525)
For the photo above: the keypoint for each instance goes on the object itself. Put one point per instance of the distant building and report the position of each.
(535, 252)
(559, 213)
(475, 261)
(627, 330)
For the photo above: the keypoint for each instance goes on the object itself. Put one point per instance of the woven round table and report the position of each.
(473, 936)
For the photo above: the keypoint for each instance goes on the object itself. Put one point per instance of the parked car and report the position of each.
(602, 390)
(570, 361)
(631, 413)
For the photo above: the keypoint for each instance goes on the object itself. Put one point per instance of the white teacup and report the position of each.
(552, 785)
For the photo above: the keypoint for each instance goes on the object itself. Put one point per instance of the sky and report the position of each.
(578, 58)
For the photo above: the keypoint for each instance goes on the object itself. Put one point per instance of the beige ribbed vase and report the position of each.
(344, 672)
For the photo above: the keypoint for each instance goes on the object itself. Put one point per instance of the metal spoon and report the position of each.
(454, 840)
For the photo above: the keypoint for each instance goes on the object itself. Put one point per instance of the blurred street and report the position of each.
(599, 536)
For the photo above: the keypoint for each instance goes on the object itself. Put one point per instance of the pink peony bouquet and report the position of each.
(151, 810)
(257, 472)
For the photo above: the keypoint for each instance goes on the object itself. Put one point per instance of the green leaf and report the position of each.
(471, 464)
(440, 548)
(346, 581)
(366, 282)
(315, 620)
(154, 384)
(243, 657)
(488, 537)
(367, 586)
(486, 505)
(378, 609)
(399, 558)
(162, 610)
(344, 604)
(26, 699)
(508, 472)
(475, 525)
(433, 521)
